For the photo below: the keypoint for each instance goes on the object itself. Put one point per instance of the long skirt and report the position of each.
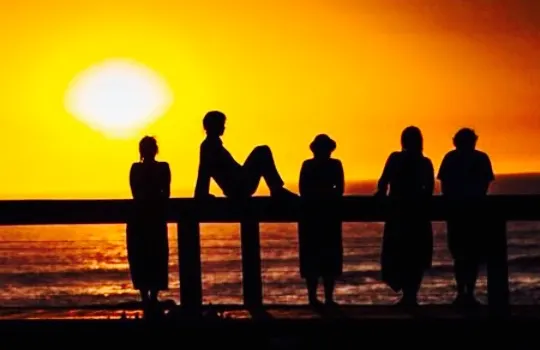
(148, 251)
(321, 248)
(407, 250)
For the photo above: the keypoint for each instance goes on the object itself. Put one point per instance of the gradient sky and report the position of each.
(282, 71)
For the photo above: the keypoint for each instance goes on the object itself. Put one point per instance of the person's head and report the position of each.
(412, 140)
(214, 123)
(465, 139)
(148, 148)
(322, 146)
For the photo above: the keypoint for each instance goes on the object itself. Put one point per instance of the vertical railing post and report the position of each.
(251, 264)
(497, 270)
(189, 264)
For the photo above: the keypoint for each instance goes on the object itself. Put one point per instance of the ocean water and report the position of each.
(71, 266)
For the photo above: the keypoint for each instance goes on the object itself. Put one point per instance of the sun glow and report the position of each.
(118, 97)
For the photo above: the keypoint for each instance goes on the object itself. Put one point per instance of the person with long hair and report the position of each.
(147, 240)
(407, 249)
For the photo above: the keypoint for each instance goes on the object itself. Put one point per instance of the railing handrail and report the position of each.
(260, 209)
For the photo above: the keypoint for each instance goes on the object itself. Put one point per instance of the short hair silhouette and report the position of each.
(322, 145)
(412, 139)
(148, 148)
(214, 120)
(465, 139)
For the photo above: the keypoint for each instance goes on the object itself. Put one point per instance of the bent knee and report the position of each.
(263, 149)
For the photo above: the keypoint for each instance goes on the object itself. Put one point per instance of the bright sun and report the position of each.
(118, 97)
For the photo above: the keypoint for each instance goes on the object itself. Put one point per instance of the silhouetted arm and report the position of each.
(340, 184)
(442, 175)
(304, 185)
(384, 181)
(133, 181)
(167, 181)
(430, 178)
(202, 188)
(490, 175)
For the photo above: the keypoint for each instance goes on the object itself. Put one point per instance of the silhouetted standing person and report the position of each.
(234, 179)
(407, 247)
(147, 241)
(465, 176)
(320, 238)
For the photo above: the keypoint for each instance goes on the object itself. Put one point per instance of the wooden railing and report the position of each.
(188, 213)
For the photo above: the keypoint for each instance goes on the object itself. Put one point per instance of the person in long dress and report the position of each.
(407, 248)
(147, 241)
(320, 235)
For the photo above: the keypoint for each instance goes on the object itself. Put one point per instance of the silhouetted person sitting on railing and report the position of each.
(235, 180)
(407, 246)
(465, 176)
(147, 241)
(320, 239)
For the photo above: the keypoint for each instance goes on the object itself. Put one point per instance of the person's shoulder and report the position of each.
(450, 154)
(481, 155)
(335, 162)
(308, 163)
(427, 160)
(395, 155)
(208, 143)
(162, 164)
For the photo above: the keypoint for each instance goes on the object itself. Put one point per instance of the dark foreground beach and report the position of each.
(278, 328)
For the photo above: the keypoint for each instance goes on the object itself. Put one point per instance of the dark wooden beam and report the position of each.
(261, 209)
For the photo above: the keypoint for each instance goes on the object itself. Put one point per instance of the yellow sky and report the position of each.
(282, 71)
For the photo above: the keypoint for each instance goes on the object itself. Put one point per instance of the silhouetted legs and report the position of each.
(154, 297)
(145, 297)
(411, 285)
(312, 284)
(260, 164)
(466, 246)
(329, 285)
(149, 297)
(466, 275)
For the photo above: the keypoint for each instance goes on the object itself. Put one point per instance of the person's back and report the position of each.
(465, 174)
(321, 178)
(409, 175)
(150, 180)
(218, 163)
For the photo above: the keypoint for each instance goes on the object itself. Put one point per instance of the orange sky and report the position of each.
(282, 71)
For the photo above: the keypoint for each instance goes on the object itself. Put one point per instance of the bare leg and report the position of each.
(154, 296)
(312, 284)
(460, 277)
(329, 286)
(144, 297)
(411, 288)
(471, 276)
(260, 164)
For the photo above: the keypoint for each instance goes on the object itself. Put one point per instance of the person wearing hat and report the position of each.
(465, 176)
(320, 236)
